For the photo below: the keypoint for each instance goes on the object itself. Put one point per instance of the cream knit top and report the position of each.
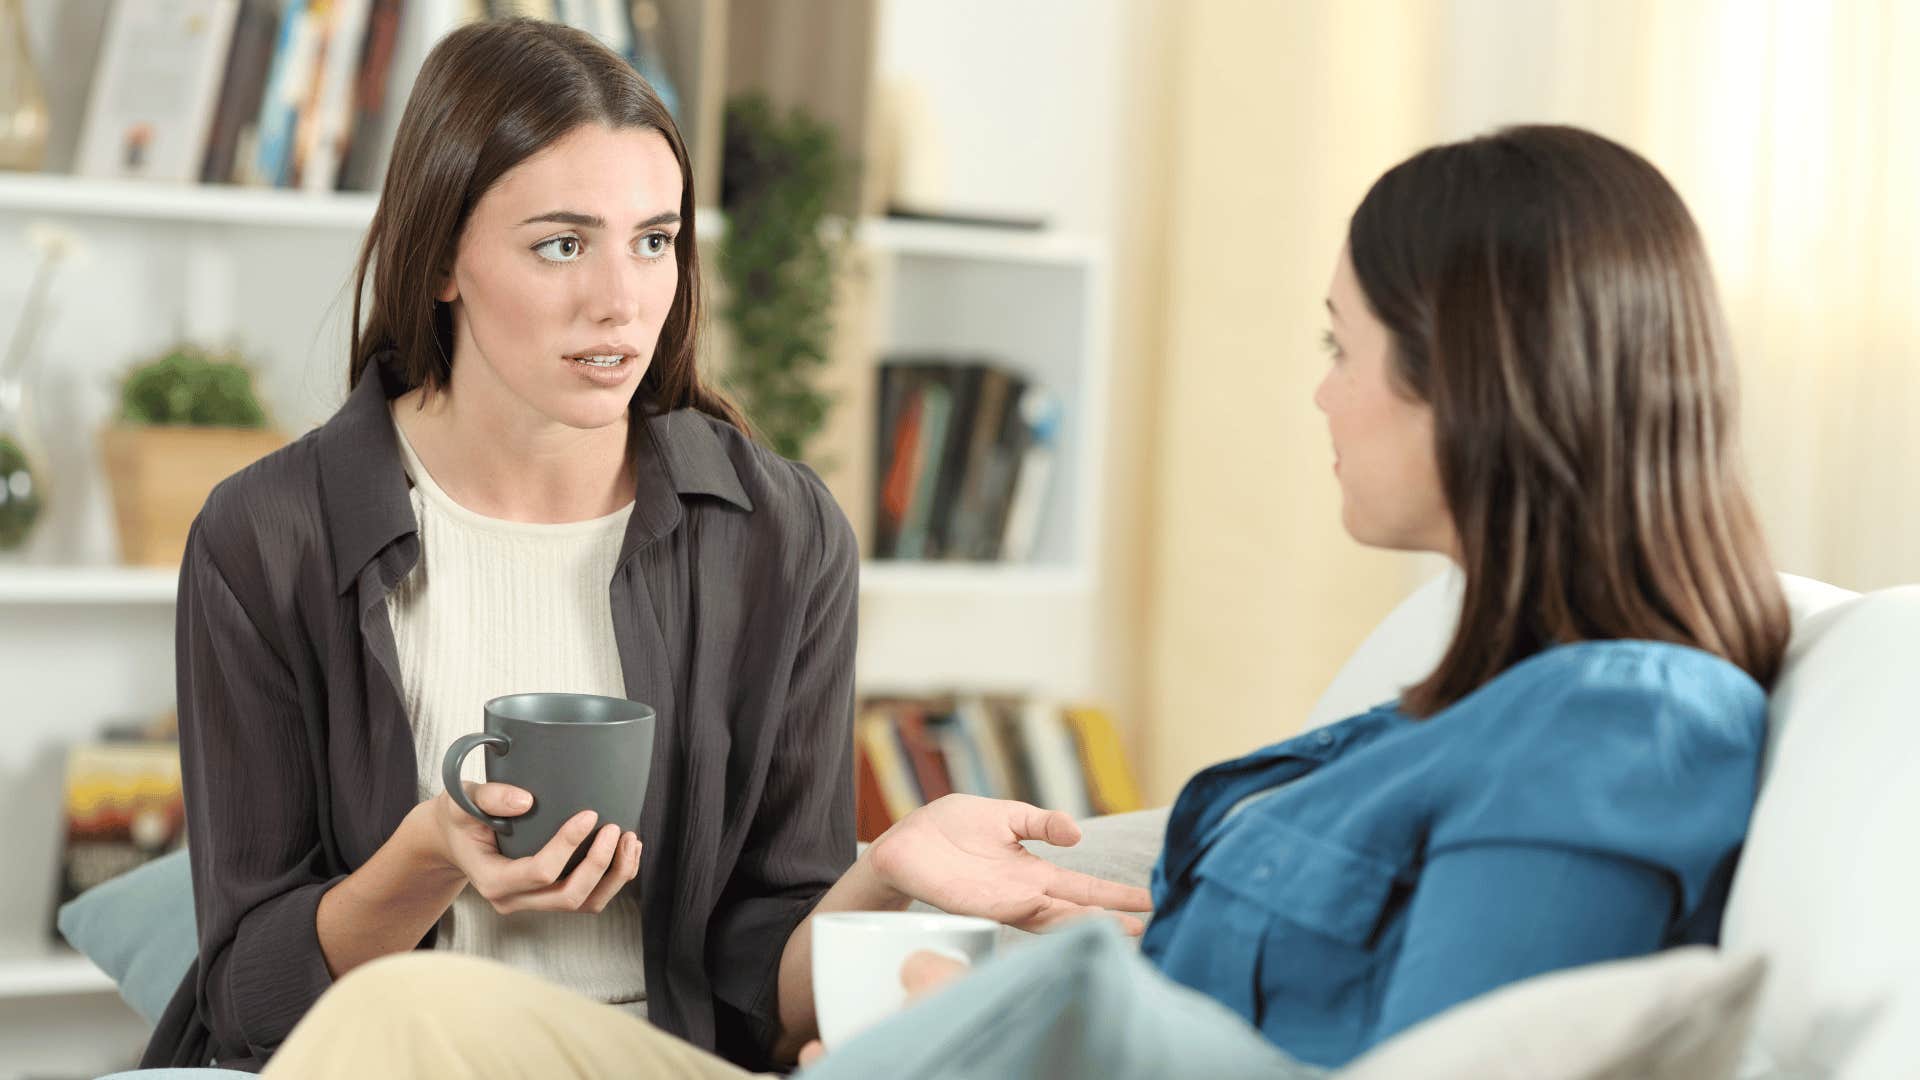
(499, 607)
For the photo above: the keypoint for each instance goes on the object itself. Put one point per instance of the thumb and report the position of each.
(500, 800)
(1056, 827)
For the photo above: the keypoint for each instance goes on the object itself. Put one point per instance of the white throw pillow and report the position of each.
(1676, 1015)
(1829, 885)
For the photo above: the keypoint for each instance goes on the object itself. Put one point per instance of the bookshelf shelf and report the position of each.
(976, 242)
(104, 585)
(891, 580)
(49, 970)
(146, 200)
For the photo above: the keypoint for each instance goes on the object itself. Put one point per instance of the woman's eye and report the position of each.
(654, 245)
(566, 253)
(1328, 343)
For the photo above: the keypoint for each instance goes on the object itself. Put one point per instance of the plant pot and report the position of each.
(161, 476)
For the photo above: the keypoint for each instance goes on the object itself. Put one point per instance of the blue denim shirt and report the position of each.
(1587, 804)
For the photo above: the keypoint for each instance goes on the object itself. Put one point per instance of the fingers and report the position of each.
(500, 800)
(1053, 914)
(812, 1052)
(1032, 823)
(925, 972)
(1089, 891)
(571, 894)
(626, 864)
(545, 866)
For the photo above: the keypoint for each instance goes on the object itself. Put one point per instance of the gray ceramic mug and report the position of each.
(572, 752)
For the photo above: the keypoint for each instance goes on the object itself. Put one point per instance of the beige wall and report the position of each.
(1253, 594)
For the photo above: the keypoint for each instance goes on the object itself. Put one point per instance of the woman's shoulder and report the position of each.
(786, 495)
(274, 500)
(1595, 691)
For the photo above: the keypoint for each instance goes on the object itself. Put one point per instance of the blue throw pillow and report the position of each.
(139, 929)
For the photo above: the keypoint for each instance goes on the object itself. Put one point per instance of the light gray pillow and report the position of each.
(139, 929)
(1683, 1014)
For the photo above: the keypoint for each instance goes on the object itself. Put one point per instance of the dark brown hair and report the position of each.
(489, 96)
(1549, 296)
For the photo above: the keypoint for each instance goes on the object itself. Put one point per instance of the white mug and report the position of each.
(857, 957)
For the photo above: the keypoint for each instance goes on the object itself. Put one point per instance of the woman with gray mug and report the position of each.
(530, 488)
(1527, 373)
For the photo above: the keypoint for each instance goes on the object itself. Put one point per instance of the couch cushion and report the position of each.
(1676, 1015)
(1412, 638)
(1829, 886)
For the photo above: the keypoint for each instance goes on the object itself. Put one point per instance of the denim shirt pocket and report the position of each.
(1295, 916)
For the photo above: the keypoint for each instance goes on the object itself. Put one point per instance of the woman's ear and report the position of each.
(449, 290)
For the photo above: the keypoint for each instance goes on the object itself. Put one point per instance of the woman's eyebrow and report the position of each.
(595, 221)
(1331, 310)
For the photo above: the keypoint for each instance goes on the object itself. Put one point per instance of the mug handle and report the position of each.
(450, 774)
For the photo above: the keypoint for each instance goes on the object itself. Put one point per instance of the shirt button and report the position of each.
(1325, 738)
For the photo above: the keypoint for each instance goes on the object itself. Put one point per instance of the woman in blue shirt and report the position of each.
(1529, 374)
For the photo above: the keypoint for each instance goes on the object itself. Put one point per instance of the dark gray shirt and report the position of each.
(734, 602)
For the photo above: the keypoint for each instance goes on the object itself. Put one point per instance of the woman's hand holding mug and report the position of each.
(536, 882)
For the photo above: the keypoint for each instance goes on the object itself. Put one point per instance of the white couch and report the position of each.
(1829, 886)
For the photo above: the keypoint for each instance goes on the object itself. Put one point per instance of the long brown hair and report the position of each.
(1549, 296)
(489, 96)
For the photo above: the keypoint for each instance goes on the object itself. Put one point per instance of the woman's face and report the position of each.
(1382, 437)
(568, 256)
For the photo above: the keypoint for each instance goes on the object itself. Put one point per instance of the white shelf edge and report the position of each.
(977, 242)
(889, 578)
(53, 972)
(80, 196)
(87, 585)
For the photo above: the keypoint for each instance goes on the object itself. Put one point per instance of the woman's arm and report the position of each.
(388, 905)
(1492, 914)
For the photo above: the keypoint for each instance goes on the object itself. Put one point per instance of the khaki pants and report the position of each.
(438, 1014)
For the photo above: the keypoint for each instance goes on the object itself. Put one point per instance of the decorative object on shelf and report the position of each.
(781, 176)
(23, 480)
(155, 88)
(188, 420)
(23, 103)
(123, 804)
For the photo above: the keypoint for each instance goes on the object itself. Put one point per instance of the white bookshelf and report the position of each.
(85, 642)
(50, 971)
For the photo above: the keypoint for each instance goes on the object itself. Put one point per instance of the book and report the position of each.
(1103, 762)
(248, 57)
(983, 730)
(302, 24)
(977, 517)
(123, 806)
(936, 401)
(963, 383)
(880, 740)
(1058, 781)
(1040, 414)
(899, 442)
(155, 87)
(870, 815)
(365, 165)
(326, 120)
(924, 753)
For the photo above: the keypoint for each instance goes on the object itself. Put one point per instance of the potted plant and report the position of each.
(781, 179)
(188, 420)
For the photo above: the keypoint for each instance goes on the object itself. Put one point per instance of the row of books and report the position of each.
(908, 752)
(274, 93)
(964, 457)
(122, 806)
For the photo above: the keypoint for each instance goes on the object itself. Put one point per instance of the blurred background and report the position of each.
(1046, 284)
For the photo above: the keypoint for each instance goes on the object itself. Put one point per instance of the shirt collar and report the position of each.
(363, 486)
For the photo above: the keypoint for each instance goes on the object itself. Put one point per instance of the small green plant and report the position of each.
(189, 385)
(20, 501)
(781, 179)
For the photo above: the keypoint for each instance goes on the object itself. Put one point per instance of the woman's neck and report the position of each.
(516, 469)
